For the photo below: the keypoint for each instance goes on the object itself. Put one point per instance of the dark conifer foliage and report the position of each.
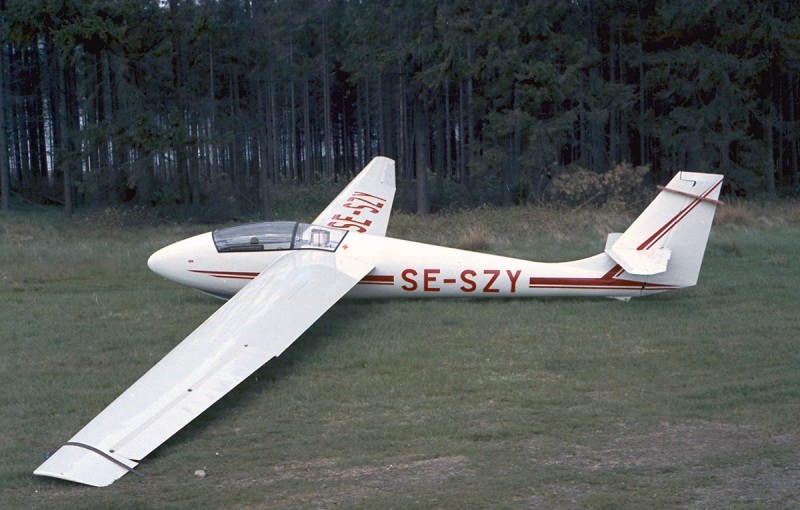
(182, 102)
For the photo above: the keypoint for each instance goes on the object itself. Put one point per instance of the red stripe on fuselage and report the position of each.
(236, 275)
(377, 279)
(593, 283)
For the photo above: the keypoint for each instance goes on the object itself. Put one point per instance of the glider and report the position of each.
(280, 277)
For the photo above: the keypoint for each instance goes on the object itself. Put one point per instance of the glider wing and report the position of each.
(257, 324)
(366, 203)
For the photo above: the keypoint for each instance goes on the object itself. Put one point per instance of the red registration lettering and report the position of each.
(360, 207)
(494, 274)
(467, 276)
(428, 278)
(372, 204)
(359, 194)
(349, 223)
(359, 202)
(432, 282)
(350, 219)
(346, 226)
(407, 276)
(513, 277)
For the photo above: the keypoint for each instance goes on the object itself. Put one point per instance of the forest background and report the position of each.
(206, 107)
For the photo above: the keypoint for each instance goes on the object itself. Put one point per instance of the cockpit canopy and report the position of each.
(279, 235)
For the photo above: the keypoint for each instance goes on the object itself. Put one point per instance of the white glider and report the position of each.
(281, 277)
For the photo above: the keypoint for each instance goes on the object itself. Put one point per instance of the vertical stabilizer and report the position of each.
(668, 240)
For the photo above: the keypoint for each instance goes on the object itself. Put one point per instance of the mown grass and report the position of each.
(689, 399)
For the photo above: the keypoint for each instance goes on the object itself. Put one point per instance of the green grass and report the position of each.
(690, 399)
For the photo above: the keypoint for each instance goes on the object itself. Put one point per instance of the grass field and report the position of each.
(683, 400)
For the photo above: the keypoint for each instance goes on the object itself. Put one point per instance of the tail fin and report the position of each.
(669, 238)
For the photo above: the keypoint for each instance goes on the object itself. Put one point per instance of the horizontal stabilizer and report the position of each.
(640, 262)
(612, 239)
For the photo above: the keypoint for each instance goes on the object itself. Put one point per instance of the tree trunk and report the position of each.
(178, 120)
(792, 135)
(461, 156)
(22, 146)
(326, 99)
(448, 169)
(264, 158)
(421, 150)
(472, 144)
(307, 138)
(38, 124)
(402, 128)
(613, 110)
(359, 137)
(769, 163)
(642, 146)
(382, 144)
(5, 173)
(439, 148)
(110, 188)
(273, 133)
(67, 158)
(367, 152)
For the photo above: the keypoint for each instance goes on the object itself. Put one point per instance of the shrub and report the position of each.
(622, 187)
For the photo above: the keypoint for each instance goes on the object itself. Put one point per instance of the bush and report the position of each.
(622, 187)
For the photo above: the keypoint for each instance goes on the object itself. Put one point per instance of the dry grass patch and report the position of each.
(476, 238)
(754, 214)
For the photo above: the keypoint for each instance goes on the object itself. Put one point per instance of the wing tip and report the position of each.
(85, 464)
(387, 171)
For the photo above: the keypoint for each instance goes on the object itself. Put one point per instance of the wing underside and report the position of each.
(257, 324)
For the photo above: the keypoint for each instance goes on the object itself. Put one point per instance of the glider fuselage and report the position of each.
(407, 269)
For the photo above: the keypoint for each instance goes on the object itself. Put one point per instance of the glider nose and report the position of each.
(165, 262)
(174, 261)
